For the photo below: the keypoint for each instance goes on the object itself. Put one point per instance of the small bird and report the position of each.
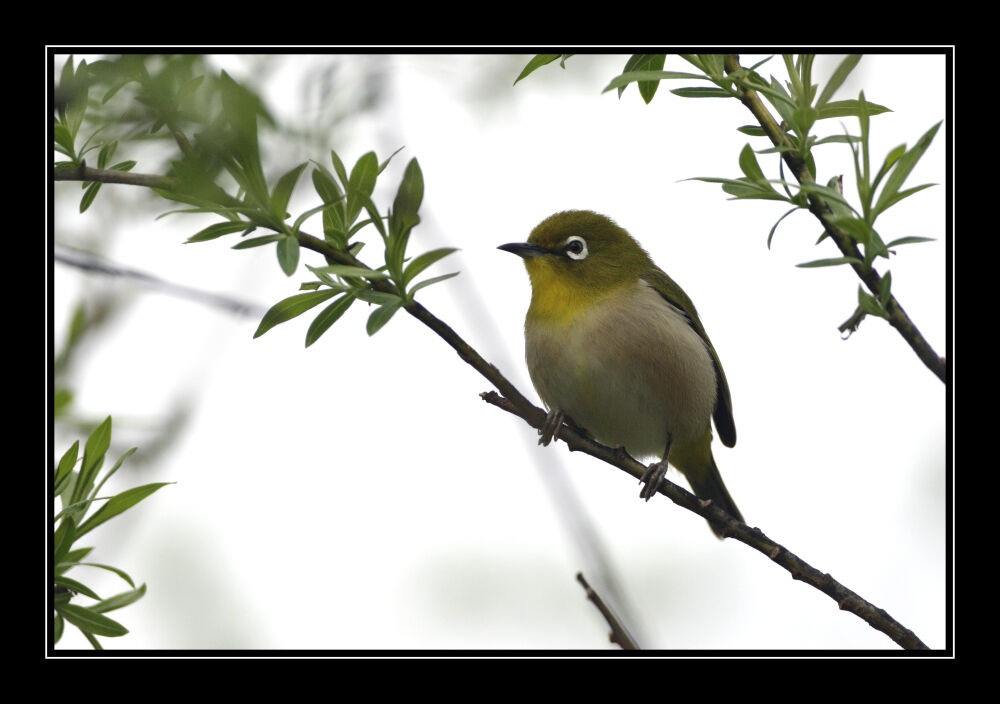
(615, 345)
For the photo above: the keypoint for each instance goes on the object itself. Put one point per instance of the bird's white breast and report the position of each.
(629, 369)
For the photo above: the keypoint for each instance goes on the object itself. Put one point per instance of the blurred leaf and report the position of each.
(652, 63)
(292, 307)
(63, 540)
(93, 454)
(91, 622)
(121, 573)
(327, 317)
(536, 62)
(838, 78)
(119, 600)
(118, 504)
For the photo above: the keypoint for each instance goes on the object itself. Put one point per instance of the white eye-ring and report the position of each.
(575, 247)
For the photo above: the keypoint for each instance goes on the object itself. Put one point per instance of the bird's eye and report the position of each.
(575, 248)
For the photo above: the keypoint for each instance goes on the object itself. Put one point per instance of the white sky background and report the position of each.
(359, 494)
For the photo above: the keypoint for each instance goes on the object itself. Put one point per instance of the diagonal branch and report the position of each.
(514, 402)
(818, 207)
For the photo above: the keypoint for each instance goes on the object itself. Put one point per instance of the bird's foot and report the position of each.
(550, 428)
(651, 479)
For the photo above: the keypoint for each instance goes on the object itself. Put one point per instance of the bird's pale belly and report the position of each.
(630, 370)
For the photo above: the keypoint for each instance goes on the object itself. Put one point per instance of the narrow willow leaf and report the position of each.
(66, 463)
(885, 289)
(90, 621)
(775, 226)
(292, 307)
(382, 315)
(848, 108)
(118, 504)
(89, 195)
(121, 573)
(535, 63)
(381, 167)
(752, 130)
(891, 158)
(407, 202)
(283, 191)
(93, 455)
(338, 167)
(829, 262)
(838, 78)
(76, 586)
(902, 169)
(869, 305)
(350, 272)
(288, 254)
(428, 282)
(698, 92)
(361, 184)
(909, 240)
(859, 230)
(423, 261)
(749, 166)
(119, 600)
(217, 230)
(257, 241)
(327, 317)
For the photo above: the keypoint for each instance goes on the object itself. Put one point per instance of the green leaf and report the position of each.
(338, 167)
(838, 78)
(885, 289)
(63, 540)
(90, 621)
(428, 282)
(649, 63)
(750, 167)
(89, 195)
(283, 191)
(349, 272)
(869, 305)
(382, 315)
(859, 230)
(775, 226)
(257, 241)
(836, 261)
(119, 600)
(423, 261)
(93, 455)
(699, 92)
(361, 184)
(536, 62)
(66, 464)
(752, 130)
(107, 151)
(327, 317)
(909, 240)
(288, 254)
(292, 307)
(848, 108)
(902, 168)
(217, 230)
(118, 504)
(121, 573)
(891, 158)
(76, 586)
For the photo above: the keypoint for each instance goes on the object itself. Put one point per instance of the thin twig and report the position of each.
(514, 402)
(87, 173)
(619, 634)
(818, 207)
(846, 599)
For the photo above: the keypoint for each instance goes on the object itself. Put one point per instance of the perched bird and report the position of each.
(615, 345)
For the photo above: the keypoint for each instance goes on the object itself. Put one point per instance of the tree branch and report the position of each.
(818, 207)
(514, 402)
(619, 634)
(800, 570)
(86, 173)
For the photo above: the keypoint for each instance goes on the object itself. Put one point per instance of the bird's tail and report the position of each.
(706, 483)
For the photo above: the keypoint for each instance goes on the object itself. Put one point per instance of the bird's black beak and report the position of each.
(524, 249)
